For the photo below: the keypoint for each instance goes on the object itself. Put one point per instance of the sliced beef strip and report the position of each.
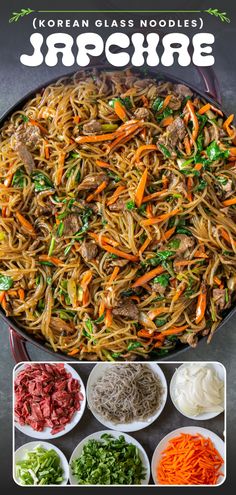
(72, 224)
(126, 309)
(119, 205)
(92, 127)
(26, 158)
(26, 134)
(219, 296)
(88, 250)
(175, 183)
(141, 113)
(92, 181)
(175, 103)
(186, 242)
(176, 131)
(59, 325)
(182, 90)
(143, 83)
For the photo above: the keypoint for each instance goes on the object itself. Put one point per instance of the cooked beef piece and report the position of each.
(143, 83)
(176, 184)
(59, 325)
(126, 309)
(26, 158)
(92, 181)
(158, 288)
(141, 113)
(219, 296)
(119, 205)
(189, 338)
(88, 250)
(164, 88)
(175, 103)
(92, 127)
(182, 90)
(120, 263)
(186, 242)
(210, 134)
(72, 224)
(176, 131)
(26, 134)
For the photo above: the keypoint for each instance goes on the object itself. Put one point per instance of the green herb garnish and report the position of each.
(41, 181)
(5, 282)
(163, 280)
(18, 179)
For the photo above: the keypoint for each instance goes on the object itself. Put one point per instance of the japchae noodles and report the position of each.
(118, 233)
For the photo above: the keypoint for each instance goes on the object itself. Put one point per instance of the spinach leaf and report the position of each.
(163, 280)
(133, 345)
(157, 104)
(183, 230)
(159, 322)
(164, 150)
(174, 243)
(201, 186)
(130, 205)
(5, 282)
(215, 153)
(41, 181)
(18, 179)
(126, 102)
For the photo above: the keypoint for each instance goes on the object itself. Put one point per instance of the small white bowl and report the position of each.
(98, 371)
(46, 433)
(20, 453)
(220, 370)
(97, 436)
(191, 430)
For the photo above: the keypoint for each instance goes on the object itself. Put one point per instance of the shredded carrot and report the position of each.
(2, 295)
(85, 297)
(217, 280)
(120, 111)
(108, 318)
(201, 304)
(147, 334)
(161, 218)
(178, 293)
(77, 119)
(4, 302)
(185, 262)
(155, 195)
(149, 211)
(124, 137)
(113, 275)
(143, 134)
(158, 344)
(232, 152)
(4, 212)
(227, 238)
(12, 292)
(60, 170)
(165, 182)
(115, 195)
(73, 352)
(198, 166)
(102, 238)
(167, 121)
(141, 188)
(200, 254)
(194, 120)
(204, 109)
(229, 202)
(119, 253)
(40, 126)
(156, 312)
(166, 102)
(189, 460)
(47, 152)
(148, 276)
(172, 331)
(99, 189)
(142, 149)
(25, 223)
(124, 130)
(87, 277)
(21, 294)
(144, 246)
(135, 298)
(226, 125)
(102, 164)
(102, 308)
(187, 145)
(189, 188)
(51, 259)
(166, 235)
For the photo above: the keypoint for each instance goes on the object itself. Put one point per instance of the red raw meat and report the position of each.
(46, 395)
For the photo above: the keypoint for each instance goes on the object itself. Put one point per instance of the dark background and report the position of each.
(17, 80)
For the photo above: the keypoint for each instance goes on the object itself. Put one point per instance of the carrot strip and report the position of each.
(168, 234)
(47, 152)
(108, 318)
(21, 294)
(217, 280)
(229, 202)
(148, 276)
(204, 109)
(59, 172)
(144, 246)
(178, 293)
(77, 119)
(12, 292)
(166, 102)
(149, 211)
(141, 188)
(161, 218)
(227, 238)
(103, 238)
(102, 308)
(119, 253)
(87, 277)
(40, 126)
(187, 145)
(126, 128)
(115, 195)
(145, 333)
(149, 197)
(4, 212)
(198, 166)
(172, 331)
(167, 121)
(102, 164)
(73, 352)
(185, 262)
(156, 312)
(25, 223)
(226, 125)
(194, 119)
(4, 302)
(158, 344)
(142, 149)
(51, 259)
(114, 275)
(189, 188)
(120, 111)
(2, 295)
(99, 189)
(201, 304)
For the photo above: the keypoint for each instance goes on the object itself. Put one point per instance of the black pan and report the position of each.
(18, 337)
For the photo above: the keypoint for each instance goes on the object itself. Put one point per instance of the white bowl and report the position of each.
(46, 433)
(192, 430)
(98, 371)
(220, 370)
(97, 436)
(20, 453)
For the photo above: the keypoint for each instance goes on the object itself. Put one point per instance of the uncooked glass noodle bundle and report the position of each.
(117, 226)
(126, 393)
